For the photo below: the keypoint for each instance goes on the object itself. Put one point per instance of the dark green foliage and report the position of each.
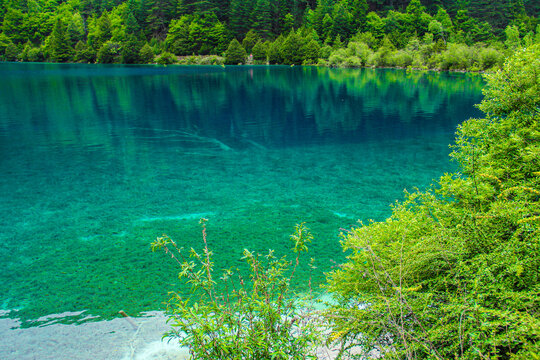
(235, 54)
(240, 20)
(146, 54)
(453, 273)
(83, 53)
(260, 52)
(263, 18)
(109, 53)
(359, 15)
(250, 40)
(12, 52)
(159, 14)
(130, 51)
(60, 43)
(291, 49)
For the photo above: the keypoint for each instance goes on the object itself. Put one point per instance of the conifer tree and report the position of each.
(250, 40)
(61, 50)
(146, 54)
(235, 53)
(240, 17)
(263, 18)
(359, 13)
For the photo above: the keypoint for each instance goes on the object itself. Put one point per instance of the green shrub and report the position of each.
(453, 273)
(457, 57)
(109, 53)
(236, 316)
(146, 54)
(166, 58)
(489, 58)
(211, 60)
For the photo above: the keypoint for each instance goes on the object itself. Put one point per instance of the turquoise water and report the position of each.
(97, 161)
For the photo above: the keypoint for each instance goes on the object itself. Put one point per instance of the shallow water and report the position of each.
(97, 161)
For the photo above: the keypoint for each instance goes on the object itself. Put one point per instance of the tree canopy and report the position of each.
(189, 27)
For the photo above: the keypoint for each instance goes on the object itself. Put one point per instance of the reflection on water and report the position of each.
(98, 160)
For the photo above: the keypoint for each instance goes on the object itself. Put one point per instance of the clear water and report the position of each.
(96, 161)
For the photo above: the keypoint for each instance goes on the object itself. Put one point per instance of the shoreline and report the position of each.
(125, 338)
(122, 338)
(436, 70)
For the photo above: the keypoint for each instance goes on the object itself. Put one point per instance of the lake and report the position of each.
(97, 161)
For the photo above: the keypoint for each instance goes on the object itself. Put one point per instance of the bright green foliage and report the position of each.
(12, 26)
(512, 38)
(274, 52)
(453, 273)
(311, 51)
(235, 53)
(241, 315)
(359, 13)
(204, 27)
(75, 29)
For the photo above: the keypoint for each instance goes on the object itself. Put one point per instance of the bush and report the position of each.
(457, 57)
(453, 273)
(146, 54)
(489, 58)
(212, 60)
(166, 58)
(109, 53)
(241, 317)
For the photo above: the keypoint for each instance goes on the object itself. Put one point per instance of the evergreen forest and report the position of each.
(474, 35)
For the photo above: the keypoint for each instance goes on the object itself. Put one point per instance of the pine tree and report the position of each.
(146, 54)
(76, 29)
(235, 53)
(288, 23)
(61, 50)
(259, 51)
(240, 17)
(250, 40)
(159, 14)
(263, 18)
(130, 50)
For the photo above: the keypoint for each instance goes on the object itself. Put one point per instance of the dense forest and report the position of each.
(442, 34)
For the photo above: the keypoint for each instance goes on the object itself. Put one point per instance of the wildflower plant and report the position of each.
(239, 315)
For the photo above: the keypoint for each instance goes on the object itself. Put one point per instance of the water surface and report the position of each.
(97, 161)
